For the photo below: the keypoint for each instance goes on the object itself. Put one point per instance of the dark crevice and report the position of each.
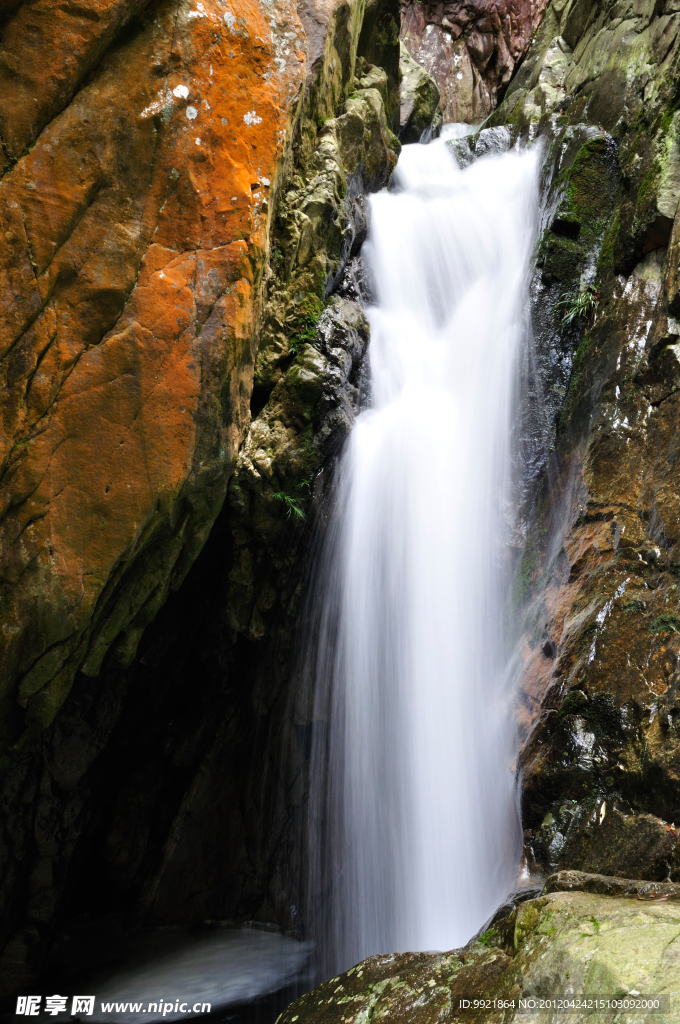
(566, 228)
(660, 401)
(259, 399)
(656, 235)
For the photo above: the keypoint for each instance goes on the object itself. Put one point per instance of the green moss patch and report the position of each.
(665, 624)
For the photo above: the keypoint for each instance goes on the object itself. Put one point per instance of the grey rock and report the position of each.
(419, 100)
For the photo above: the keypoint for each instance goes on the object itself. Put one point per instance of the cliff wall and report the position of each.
(183, 188)
(600, 766)
(471, 48)
(184, 194)
(141, 162)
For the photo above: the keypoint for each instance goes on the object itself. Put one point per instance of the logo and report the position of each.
(29, 1006)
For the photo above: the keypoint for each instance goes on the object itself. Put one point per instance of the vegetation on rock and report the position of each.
(585, 937)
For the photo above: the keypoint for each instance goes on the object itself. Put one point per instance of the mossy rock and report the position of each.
(583, 169)
(590, 186)
(562, 944)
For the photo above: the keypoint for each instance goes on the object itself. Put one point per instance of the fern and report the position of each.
(292, 505)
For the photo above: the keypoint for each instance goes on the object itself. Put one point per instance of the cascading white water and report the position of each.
(423, 839)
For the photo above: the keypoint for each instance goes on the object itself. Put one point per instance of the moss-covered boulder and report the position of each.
(574, 945)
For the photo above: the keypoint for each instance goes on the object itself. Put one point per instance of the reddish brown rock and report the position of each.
(136, 230)
(471, 49)
(148, 174)
(135, 233)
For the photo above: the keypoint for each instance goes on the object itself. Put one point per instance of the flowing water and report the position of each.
(413, 814)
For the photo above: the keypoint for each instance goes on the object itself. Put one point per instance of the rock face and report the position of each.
(600, 766)
(569, 944)
(138, 294)
(597, 583)
(308, 375)
(136, 230)
(470, 48)
(419, 100)
(182, 323)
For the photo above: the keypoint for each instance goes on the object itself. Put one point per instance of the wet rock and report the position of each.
(563, 944)
(598, 576)
(513, 901)
(477, 144)
(419, 99)
(606, 885)
(607, 837)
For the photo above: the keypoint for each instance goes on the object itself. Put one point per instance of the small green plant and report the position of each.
(305, 333)
(293, 506)
(579, 305)
(293, 502)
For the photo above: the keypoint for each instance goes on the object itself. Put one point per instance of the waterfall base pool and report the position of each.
(243, 974)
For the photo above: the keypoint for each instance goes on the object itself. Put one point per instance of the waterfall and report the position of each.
(414, 823)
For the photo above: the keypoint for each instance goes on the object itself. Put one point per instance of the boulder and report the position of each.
(419, 100)
(570, 946)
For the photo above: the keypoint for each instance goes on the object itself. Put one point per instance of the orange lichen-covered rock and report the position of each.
(154, 154)
(134, 235)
